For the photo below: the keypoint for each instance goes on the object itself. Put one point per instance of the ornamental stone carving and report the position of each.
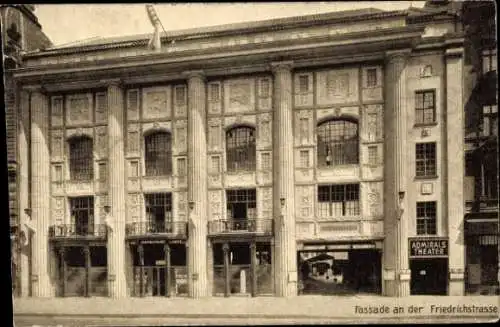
(215, 200)
(78, 132)
(79, 109)
(180, 136)
(156, 104)
(265, 130)
(337, 86)
(57, 144)
(133, 205)
(240, 95)
(58, 209)
(101, 142)
(133, 139)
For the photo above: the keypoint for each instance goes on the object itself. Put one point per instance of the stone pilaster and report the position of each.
(40, 194)
(396, 265)
(286, 256)
(455, 169)
(116, 236)
(197, 185)
(23, 133)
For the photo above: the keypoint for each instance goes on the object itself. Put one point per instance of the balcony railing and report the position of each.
(177, 228)
(257, 226)
(483, 204)
(78, 231)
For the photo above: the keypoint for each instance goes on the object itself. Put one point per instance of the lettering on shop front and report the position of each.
(428, 248)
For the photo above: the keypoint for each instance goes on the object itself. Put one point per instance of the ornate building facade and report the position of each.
(292, 156)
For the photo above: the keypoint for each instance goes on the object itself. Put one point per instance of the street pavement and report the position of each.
(306, 309)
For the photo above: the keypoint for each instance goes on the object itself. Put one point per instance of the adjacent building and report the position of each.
(20, 32)
(312, 154)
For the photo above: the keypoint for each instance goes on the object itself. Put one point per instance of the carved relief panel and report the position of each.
(264, 132)
(214, 171)
(180, 137)
(304, 200)
(304, 127)
(372, 158)
(303, 89)
(133, 104)
(133, 140)
(180, 168)
(372, 197)
(265, 199)
(58, 210)
(134, 207)
(101, 142)
(304, 163)
(57, 145)
(133, 173)
(264, 94)
(181, 206)
(102, 176)
(214, 96)
(214, 134)
(372, 130)
(79, 109)
(102, 201)
(101, 108)
(337, 86)
(240, 119)
(265, 167)
(156, 103)
(239, 95)
(372, 83)
(57, 111)
(215, 204)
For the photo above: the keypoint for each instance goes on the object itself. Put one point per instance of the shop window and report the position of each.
(82, 215)
(338, 200)
(425, 107)
(426, 218)
(337, 143)
(158, 211)
(240, 148)
(158, 154)
(81, 158)
(241, 204)
(425, 159)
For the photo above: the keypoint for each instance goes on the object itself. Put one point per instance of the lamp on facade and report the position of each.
(107, 208)
(27, 211)
(191, 205)
(282, 202)
(401, 195)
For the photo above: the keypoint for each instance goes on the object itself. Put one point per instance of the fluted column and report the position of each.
(40, 194)
(396, 265)
(286, 256)
(116, 236)
(455, 169)
(197, 159)
(23, 133)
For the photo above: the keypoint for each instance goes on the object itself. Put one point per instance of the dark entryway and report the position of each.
(429, 276)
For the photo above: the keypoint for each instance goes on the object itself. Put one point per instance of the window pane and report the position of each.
(81, 158)
(158, 209)
(240, 149)
(371, 77)
(425, 155)
(338, 143)
(303, 83)
(158, 154)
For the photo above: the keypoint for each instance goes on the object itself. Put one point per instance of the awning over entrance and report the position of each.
(481, 226)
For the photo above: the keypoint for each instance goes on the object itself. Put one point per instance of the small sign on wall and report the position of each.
(426, 188)
(432, 247)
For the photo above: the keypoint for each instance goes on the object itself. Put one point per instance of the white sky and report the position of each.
(68, 23)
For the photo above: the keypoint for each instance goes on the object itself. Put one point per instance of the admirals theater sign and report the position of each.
(428, 247)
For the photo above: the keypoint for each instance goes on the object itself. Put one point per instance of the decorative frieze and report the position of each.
(230, 121)
(239, 95)
(242, 178)
(156, 126)
(372, 199)
(181, 171)
(79, 109)
(372, 130)
(156, 104)
(214, 134)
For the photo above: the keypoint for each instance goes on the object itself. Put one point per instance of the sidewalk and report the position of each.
(301, 307)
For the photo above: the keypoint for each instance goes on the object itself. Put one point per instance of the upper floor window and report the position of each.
(240, 148)
(371, 77)
(489, 61)
(158, 154)
(425, 159)
(425, 107)
(82, 214)
(338, 143)
(303, 83)
(490, 120)
(241, 204)
(158, 208)
(81, 158)
(426, 218)
(338, 200)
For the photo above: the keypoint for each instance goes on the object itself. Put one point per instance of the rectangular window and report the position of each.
(425, 107)
(180, 95)
(426, 218)
(338, 200)
(303, 83)
(489, 61)
(215, 165)
(103, 172)
(373, 155)
(264, 88)
(425, 159)
(490, 120)
(82, 215)
(371, 77)
(158, 212)
(241, 206)
(215, 92)
(304, 159)
(266, 161)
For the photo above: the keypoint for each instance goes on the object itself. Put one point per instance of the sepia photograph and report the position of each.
(266, 163)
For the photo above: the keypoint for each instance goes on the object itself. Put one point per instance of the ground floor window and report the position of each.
(339, 272)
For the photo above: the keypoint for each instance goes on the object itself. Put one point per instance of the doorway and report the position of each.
(429, 276)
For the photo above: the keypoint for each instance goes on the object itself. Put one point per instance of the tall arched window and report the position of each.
(81, 166)
(338, 142)
(158, 154)
(240, 148)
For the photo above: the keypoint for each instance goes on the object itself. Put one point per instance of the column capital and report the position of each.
(454, 52)
(189, 74)
(397, 55)
(117, 82)
(281, 66)
(38, 88)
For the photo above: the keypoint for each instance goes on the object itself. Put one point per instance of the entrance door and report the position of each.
(158, 282)
(429, 276)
